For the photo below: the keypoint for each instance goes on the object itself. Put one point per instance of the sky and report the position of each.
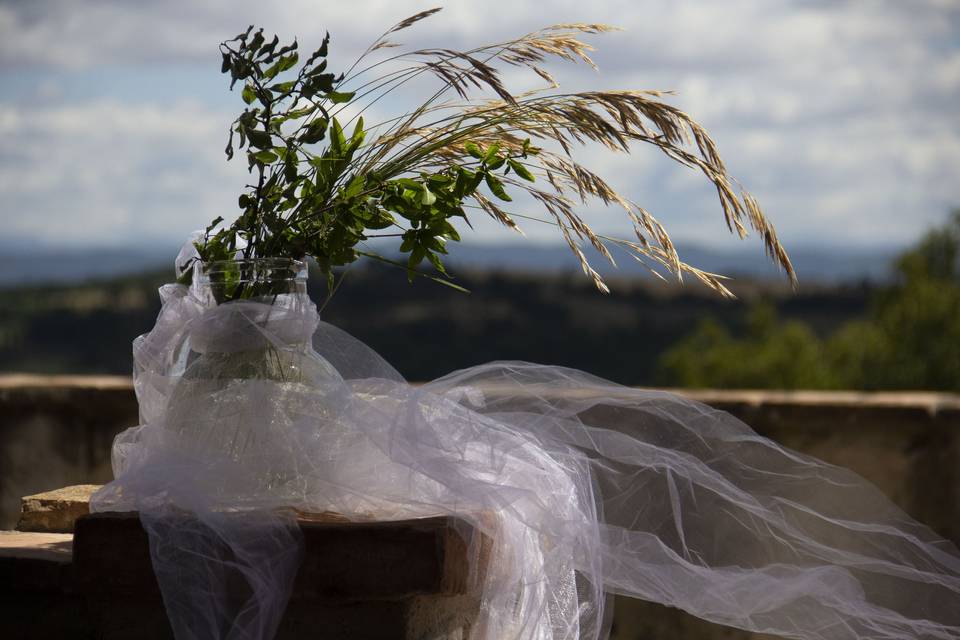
(841, 117)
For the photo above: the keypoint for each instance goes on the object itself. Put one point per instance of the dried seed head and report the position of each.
(415, 18)
(617, 120)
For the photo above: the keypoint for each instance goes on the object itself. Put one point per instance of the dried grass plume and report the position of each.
(473, 105)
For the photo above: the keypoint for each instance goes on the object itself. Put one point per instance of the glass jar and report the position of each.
(250, 370)
(254, 279)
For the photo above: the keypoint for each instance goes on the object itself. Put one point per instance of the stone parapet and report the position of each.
(57, 431)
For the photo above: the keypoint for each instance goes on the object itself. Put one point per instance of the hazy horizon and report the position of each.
(29, 265)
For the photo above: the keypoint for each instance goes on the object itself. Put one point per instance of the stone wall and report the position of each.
(57, 431)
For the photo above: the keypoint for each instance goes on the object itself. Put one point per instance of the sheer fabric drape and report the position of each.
(585, 488)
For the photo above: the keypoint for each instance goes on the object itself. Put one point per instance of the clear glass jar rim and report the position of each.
(254, 268)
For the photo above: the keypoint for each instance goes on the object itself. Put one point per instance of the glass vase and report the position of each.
(250, 374)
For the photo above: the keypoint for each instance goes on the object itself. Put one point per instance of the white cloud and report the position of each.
(840, 116)
(108, 173)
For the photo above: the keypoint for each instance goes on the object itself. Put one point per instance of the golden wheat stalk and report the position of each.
(437, 131)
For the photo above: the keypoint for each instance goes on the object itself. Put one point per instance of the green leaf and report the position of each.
(409, 184)
(299, 113)
(215, 222)
(416, 257)
(322, 51)
(318, 69)
(496, 187)
(283, 87)
(409, 239)
(243, 36)
(473, 150)
(267, 49)
(491, 153)
(439, 179)
(337, 140)
(229, 148)
(265, 96)
(336, 97)
(290, 170)
(463, 180)
(358, 135)
(259, 139)
(281, 65)
(266, 157)
(380, 220)
(354, 188)
(435, 261)
(436, 244)
(474, 182)
(315, 132)
(306, 189)
(321, 83)
(427, 198)
(315, 201)
(521, 170)
(257, 40)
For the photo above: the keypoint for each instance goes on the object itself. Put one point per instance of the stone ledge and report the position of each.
(929, 401)
(38, 381)
(921, 402)
(33, 563)
(55, 511)
(51, 547)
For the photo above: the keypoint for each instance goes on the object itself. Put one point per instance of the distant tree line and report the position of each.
(423, 329)
(909, 339)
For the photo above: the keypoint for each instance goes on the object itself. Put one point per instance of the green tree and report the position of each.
(910, 340)
(913, 341)
(772, 354)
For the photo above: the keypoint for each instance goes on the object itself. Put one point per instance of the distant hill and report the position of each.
(45, 265)
(20, 265)
(424, 329)
(820, 265)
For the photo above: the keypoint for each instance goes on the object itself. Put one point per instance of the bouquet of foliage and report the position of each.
(325, 181)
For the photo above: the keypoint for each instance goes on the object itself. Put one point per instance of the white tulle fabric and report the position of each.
(584, 488)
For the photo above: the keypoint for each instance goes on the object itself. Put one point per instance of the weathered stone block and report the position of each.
(55, 511)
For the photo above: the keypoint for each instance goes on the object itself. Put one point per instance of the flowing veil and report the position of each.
(582, 488)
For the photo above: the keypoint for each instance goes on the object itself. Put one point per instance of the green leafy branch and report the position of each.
(307, 201)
